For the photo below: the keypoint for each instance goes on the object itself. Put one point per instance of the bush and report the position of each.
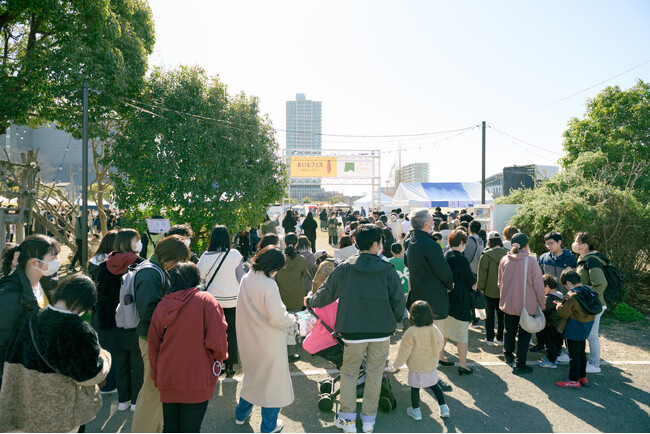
(626, 313)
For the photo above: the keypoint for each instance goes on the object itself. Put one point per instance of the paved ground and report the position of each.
(490, 400)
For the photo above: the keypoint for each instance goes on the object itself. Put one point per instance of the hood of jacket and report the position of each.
(518, 256)
(368, 263)
(171, 304)
(495, 254)
(118, 263)
(292, 264)
(588, 300)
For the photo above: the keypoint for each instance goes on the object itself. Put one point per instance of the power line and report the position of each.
(521, 142)
(576, 93)
(503, 133)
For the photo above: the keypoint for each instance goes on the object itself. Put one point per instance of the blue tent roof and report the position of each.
(447, 194)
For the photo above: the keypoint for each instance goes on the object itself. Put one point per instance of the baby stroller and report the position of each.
(324, 342)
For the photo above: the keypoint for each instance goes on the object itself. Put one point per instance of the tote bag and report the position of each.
(537, 322)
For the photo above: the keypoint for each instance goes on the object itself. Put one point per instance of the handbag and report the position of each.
(215, 273)
(476, 299)
(537, 322)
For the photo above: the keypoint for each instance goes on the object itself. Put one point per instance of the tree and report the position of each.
(578, 199)
(306, 199)
(196, 154)
(50, 47)
(617, 123)
(334, 200)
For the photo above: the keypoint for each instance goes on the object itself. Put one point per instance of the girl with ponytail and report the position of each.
(291, 278)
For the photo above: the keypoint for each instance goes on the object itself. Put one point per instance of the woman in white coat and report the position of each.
(262, 325)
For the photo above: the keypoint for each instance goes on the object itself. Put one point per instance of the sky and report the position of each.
(414, 67)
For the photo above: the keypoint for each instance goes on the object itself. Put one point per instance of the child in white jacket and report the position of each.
(419, 349)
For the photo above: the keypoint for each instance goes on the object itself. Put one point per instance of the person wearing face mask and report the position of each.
(371, 302)
(54, 364)
(21, 291)
(186, 232)
(122, 343)
(221, 272)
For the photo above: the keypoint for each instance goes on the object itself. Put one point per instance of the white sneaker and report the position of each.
(132, 407)
(489, 343)
(389, 366)
(444, 410)
(278, 426)
(500, 343)
(415, 413)
(563, 357)
(591, 369)
(368, 427)
(345, 424)
(123, 406)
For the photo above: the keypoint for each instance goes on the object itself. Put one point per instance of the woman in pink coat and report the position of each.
(511, 285)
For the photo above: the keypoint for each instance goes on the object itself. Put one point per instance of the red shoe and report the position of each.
(568, 383)
(584, 382)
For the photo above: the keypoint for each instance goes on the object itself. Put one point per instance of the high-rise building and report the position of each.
(416, 172)
(304, 128)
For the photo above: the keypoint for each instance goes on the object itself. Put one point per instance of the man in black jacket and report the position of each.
(371, 301)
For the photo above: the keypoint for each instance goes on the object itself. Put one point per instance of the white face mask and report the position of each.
(138, 247)
(52, 267)
(187, 242)
(381, 249)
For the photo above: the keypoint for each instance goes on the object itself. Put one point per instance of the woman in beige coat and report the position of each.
(262, 325)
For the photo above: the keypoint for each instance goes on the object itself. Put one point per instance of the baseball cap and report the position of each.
(494, 235)
(319, 254)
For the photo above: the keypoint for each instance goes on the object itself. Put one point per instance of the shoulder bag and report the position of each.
(537, 322)
(217, 270)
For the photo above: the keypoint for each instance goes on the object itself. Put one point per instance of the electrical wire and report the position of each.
(519, 142)
(503, 133)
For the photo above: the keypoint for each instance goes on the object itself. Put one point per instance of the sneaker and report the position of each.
(123, 406)
(444, 386)
(278, 426)
(568, 383)
(345, 424)
(368, 426)
(536, 349)
(509, 359)
(547, 364)
(522, 370)
(444, 410)
(132, 407)
(241, 422)
(488, 342)
(415, 413)
(584, 382)
(563, 357)
(389, 366)
(591, 369)
(500, 342)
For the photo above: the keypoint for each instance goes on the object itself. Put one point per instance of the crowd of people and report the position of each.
(197, 317)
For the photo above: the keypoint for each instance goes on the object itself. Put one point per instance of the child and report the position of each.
(402, 271)
(419, 349)
(550, 337)
(577, 312)
(437, 237)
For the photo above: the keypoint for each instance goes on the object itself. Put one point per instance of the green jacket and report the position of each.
(488, 271)
(292, 283)
(590, 269)
(332, 226)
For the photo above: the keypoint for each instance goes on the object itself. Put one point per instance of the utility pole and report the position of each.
(483, 169)
(84, 182)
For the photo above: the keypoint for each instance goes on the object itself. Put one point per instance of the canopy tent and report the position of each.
(443, 194)
(366, 201)
(92, 204)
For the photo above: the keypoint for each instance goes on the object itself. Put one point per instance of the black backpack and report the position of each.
(613, 277)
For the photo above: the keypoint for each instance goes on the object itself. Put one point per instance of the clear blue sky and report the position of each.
(386, 67)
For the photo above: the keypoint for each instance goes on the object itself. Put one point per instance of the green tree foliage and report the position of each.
(335, 199)
(175, 158)
(580, 199)
(617, 123)
(306, 199)
(50, 47)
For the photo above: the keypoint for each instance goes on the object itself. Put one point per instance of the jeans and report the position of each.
(492, 308)
(376, 354)
(437, 391)
(334, 240)
(577, 359)
(594, 341)
(514, 330)
(180, 417)
(269, 415)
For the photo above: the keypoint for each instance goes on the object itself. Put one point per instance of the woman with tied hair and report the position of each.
(221, 271)
(309, 226)
(590, 269)
(53, 365)
(262, 325)
(511, 284)
(21, 291)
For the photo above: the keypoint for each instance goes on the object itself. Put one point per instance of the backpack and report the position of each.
(473, 262)
(126, 315)
(613, 277)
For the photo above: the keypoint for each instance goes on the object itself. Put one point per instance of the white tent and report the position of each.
(443, 194)
(366, 202)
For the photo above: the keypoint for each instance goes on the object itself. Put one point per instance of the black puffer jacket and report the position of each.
(430, 275)
(459, 304)
(371, 299)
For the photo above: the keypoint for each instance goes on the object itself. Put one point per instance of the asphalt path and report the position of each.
(493, 399)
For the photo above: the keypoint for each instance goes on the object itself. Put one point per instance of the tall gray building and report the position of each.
(416, 172)
(304, 128)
